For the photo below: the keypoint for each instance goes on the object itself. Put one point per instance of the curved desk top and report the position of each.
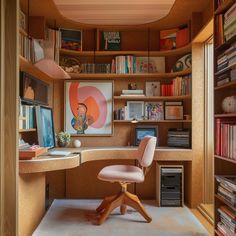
(46, 163)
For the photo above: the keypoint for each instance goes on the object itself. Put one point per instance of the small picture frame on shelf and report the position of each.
(154, 110)
(152, 88)
(135, 110)
(45, 126)
(142, 131)
(71, 39)
(174, 110)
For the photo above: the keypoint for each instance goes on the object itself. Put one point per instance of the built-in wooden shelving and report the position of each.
(154, 121)
(154, 98)
(225, 159)
(175, 52)
(225, 115)
(167, 75)
(224, 7)
(27, 130)
(231, 84)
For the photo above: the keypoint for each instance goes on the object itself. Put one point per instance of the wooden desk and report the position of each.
(33, 174)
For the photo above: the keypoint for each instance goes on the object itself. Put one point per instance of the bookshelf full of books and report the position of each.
(225, 116)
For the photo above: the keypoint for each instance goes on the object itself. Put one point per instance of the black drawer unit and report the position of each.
(171, 186)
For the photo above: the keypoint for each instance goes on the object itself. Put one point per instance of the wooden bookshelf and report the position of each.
(154, 121)
(175, 52)
(223, 165)
(167, 75)
(154, 98)
(225, 159)
(231, 84)
(225, 115)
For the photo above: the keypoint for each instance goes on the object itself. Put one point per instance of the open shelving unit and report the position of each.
(223, 164)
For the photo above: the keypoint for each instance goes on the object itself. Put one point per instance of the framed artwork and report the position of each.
(45, 126)
(142, 131)
(89, 107)
(150, 64)
(154, 110)
(152, 88)
(173, 111)
(71, 39)
(135, 110)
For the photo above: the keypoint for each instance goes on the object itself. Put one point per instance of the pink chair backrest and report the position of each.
(146, 151)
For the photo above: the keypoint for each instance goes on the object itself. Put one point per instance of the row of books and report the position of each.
(34, 50)
(226, 77)
(226, 26)
(95, 68)
(130, 64)
(230, 22)
(225, 137)
(227, 222)
(179, 86)
(227, 59)
(226, 188)
(27, 117)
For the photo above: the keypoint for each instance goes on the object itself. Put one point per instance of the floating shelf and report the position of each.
(224, 7)
(154, 98)
(27, 130)
(231, 84)
(218, 233)
(154, 121)
(226, 44)
(174, 52)
(125, 76)
(225, 115)
(225, 159)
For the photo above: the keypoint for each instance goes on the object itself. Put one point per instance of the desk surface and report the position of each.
(48, 163)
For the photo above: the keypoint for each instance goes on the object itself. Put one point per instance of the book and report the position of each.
(168, 39)
(111, 41)
(182, 37)
(29, 154)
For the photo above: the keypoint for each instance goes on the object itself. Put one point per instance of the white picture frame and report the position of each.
(135, 110)
(152, 88)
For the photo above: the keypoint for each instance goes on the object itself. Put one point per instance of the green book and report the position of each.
(111, 41)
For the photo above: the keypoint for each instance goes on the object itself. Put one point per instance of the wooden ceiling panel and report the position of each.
(113, 12)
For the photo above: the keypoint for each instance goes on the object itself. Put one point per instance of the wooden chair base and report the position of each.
(121, 200)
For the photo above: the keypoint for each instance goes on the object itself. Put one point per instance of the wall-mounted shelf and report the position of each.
(175, 52)
(231, 84)
(154, 121)
(154, 98)
(225, 115)
(27, 130)
(126, 76)
(224, 6)
(225, 159)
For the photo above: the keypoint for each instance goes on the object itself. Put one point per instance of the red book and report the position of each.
(218, 137)
(162, 90)
(182, 38)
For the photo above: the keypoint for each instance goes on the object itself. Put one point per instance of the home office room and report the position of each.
(117, 117)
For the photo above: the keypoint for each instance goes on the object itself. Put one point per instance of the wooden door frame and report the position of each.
(9, 93)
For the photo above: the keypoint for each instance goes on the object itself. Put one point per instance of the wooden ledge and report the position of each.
(48, 163)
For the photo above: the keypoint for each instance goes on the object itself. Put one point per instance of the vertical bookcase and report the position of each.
(224, 116)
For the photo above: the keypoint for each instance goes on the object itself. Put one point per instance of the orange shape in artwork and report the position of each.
(94, 112)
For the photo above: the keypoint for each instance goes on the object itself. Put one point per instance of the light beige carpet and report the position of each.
(76, 217)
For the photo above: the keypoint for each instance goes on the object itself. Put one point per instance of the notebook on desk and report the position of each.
(59, 153)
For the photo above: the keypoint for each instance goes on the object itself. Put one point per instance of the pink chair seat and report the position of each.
(121, 173)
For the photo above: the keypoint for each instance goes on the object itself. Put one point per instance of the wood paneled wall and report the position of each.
(9, 117)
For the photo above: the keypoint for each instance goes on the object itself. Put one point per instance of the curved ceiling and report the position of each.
(114, 12)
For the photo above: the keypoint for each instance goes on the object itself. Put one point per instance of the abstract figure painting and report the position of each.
(88, 107)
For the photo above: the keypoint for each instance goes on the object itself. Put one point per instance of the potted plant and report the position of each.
(63, 139)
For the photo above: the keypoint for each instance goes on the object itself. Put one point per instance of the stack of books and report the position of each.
(124, 64)
(226, 78)
(227, 223)
(26, 48)
(227, 188)
(227, 59)
(179, 86)
(230, 23)
(95, 68)
(121, 114)
(129, 92)
(179, 138)
(225, 138)
(27, 117)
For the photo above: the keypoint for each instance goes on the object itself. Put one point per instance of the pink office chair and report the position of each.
(124, 175)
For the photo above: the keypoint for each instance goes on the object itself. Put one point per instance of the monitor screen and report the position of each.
(141, 132)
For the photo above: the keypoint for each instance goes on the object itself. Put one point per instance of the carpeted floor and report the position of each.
(76, 218)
